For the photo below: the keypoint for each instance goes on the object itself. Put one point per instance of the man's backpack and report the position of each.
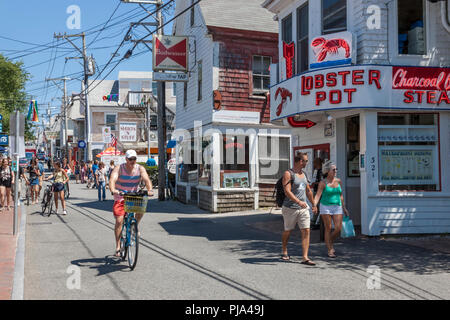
(279, 189)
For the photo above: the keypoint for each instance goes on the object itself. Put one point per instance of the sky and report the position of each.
(27, 31)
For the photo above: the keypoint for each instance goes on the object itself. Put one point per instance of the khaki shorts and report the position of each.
(293, 216)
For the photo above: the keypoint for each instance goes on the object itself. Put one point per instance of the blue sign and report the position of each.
(4, 140)
(81, 144)
(1, 117)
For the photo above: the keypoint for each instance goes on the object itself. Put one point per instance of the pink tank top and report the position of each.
(127, 182)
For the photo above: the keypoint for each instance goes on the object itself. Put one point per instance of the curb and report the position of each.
(19, 266)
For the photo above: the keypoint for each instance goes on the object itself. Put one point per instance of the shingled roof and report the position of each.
(238, 14)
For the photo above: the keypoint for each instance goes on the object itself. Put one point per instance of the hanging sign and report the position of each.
(288, 55)
(170, 53)
(128, 131)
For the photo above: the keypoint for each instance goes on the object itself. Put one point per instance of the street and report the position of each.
(188, 254)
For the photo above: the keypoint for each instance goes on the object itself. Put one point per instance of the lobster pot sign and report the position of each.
(333, 49)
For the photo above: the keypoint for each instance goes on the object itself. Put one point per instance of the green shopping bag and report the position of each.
(347, 230)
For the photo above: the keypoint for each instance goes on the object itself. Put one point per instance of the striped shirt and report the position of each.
(127, 182)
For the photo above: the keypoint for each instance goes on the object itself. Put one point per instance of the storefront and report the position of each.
(387, 128)
(224, 167)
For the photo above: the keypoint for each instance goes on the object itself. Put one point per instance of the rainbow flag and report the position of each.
(33, 112)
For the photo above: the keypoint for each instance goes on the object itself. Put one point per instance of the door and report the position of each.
(352, 175)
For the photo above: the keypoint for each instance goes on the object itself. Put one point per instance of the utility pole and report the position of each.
(161, 123)
(64, 108)
(161, 111)
(85, 87)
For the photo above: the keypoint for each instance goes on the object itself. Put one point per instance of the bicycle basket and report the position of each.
(135, 204)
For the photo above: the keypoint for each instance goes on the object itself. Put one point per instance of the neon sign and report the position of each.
(288, 54)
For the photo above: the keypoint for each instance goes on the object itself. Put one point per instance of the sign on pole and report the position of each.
(171, 77)
(170, 53)
(106, 133)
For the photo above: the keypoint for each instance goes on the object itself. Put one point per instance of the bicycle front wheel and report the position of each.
(44, 203)
(133, 246)
(49, 205)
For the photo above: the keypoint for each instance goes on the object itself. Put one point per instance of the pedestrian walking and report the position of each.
(94, 170)
(100, 179)
(90, 175)
(317, 177)
(6, 181)
(60, 178)
(295, 210)
(111, 168)
(41, 176)
(83, 172)
(77, 171)
(332, 206)
(33, 180)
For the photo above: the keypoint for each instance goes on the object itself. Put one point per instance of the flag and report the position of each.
(113, 140)
(33, 112)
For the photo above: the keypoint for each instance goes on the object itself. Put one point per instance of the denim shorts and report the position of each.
(34, 182)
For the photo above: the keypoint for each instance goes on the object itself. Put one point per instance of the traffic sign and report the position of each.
(81, 144)
(4, 140)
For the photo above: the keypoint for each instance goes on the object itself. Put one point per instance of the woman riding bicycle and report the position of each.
(60, 178)
(126, 178)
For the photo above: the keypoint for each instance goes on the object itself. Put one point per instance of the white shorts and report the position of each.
(331, 210)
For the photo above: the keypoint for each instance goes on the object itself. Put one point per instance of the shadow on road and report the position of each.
(104, 265)
(262, 245)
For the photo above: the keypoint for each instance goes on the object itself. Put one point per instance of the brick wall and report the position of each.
(237, 48)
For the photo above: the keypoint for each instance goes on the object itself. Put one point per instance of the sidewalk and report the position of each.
(8, 248)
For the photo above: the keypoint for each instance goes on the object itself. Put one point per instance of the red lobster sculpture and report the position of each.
(330, 47)
(285, 93)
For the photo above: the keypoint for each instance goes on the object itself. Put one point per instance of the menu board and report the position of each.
(407, 167)
(235, 180)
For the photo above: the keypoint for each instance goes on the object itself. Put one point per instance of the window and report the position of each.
(185, 87)
(408, 154)
(334, 16)
(286, 29)
(261, 73)
(273, 157)
(199, 80)
(234, 168)
(303, 39)
(411, 27)
(155, 88)
(110, 120)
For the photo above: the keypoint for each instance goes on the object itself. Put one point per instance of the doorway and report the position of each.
(352, 176)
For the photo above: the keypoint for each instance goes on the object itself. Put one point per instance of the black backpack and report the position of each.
(279, 189)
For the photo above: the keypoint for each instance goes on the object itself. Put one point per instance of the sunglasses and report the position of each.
(334, 169)
(132, 159)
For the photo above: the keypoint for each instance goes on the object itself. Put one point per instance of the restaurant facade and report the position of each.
(373, 99)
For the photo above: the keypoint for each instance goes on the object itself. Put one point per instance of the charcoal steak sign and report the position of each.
(170, 53)
(362, 86)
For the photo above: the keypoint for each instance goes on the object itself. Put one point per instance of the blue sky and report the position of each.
(36, 22)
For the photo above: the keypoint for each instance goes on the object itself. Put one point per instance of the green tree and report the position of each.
(13, 96)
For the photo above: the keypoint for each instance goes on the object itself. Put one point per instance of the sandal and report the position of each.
(308, 262)
(332, 254)
(117, 254)
(285, 257)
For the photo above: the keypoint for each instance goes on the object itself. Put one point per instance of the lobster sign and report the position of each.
(332, 50)
(285, 94)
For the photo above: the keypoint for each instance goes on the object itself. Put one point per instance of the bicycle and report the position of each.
(129, 241)
(66, 190)
(47, 203)
(28, 195)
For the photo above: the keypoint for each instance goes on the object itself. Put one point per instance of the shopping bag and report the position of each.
(347, 230)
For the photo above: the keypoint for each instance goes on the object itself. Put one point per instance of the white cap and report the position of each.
(130, 153)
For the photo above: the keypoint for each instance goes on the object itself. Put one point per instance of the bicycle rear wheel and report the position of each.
(133, 246)
(50, 205)
(28, 196)
(44, 203)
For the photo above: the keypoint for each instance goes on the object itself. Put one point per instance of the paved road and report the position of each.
(186, 253)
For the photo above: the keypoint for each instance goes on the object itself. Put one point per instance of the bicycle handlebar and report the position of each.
(141, 193)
